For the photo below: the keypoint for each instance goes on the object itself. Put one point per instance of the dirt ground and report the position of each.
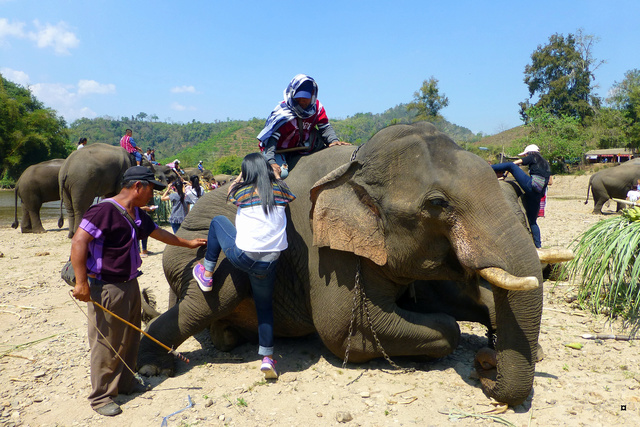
(44, 359)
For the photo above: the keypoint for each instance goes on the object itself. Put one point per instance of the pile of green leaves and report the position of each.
(607, 266)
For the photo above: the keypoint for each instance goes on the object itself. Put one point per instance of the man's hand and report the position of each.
(81, 292)
(334, 143)
(196, 243)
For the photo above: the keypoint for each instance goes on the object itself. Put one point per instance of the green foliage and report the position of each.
(229, 165)
(607, 265)
(560, 73)
(428, 102)
(608, 128)
(625, 97)
(558, 137)
(29, 132)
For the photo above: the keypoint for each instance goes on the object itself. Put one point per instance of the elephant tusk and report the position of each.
(500, 278)
(552, 256)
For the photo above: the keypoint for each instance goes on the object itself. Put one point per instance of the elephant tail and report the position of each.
(588, 188)
(61, 219)
(15, 211)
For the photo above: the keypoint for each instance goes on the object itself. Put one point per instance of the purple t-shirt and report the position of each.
(113, 253)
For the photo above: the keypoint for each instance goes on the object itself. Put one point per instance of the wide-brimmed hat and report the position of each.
(142, 173)
(529, 149)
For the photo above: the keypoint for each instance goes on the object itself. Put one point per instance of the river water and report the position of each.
(50, 210)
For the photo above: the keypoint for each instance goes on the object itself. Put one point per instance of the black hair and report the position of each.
(178, 184)
(195, 184)
(82, 141)
(258, 175)
(130, 184)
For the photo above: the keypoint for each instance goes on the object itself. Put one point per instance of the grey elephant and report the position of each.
(38, 184)
(613, 182)
(405, 209)
(94, 171)
(165, 174)
(206, 174)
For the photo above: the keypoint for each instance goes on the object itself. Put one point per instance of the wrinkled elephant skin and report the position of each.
(38, 184)
(410, 209)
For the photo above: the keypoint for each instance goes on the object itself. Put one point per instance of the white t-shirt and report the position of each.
(259, 233)
(633, 195)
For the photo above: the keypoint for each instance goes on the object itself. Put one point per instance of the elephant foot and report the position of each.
(486, 364)
(152, 360)
(164, 368)
(224, 336)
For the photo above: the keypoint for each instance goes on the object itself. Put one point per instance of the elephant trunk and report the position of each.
(517, 316)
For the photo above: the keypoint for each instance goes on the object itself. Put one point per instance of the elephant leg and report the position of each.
(378, 323)
(25, 227)
(36, 224)
(195, 311)
(463, 302)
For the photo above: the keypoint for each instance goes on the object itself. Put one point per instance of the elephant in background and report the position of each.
(38, 184)
(405, 209)
(94, 171)
(613, 182)
(165, 174)
(207, 175)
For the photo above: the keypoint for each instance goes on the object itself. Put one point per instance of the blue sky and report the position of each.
(209, 60)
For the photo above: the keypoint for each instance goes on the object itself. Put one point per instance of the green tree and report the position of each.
(625, 97)
(29, 132)
(229, 165)
(560, 74)
(428, 101)
(559, 138)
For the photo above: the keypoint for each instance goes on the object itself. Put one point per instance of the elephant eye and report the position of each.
(439, 202)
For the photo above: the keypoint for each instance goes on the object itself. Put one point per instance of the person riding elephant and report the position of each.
(534, 185)
(94, 171)
(403, 207)
(38, 184)
(297, 125)
(613, 182)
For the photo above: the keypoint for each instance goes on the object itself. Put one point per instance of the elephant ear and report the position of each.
(344, 216)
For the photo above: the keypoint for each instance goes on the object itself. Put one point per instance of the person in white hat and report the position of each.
(534, 185)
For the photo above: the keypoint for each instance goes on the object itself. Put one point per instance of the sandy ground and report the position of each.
(44, 359)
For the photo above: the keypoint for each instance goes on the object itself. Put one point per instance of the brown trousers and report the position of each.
(109, 376)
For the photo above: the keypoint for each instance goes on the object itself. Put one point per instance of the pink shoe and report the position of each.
(205, 283)
(269, 368)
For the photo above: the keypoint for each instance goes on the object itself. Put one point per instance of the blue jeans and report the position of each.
(262, 275)
(175, 226)
(531, 200)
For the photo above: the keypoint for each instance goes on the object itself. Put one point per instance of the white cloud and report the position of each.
(180, 107)
(183, 89)
(56, 36)
(67, 99)
(87, 87)
(19, 77)
(10, 29)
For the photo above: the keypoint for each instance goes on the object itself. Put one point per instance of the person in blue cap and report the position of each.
(299, 124)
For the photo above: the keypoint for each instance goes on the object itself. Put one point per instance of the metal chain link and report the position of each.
(360, 294)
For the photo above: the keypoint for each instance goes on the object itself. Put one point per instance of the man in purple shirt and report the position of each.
(105, 258)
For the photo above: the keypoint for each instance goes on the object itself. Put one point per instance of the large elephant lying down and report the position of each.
(410, 210)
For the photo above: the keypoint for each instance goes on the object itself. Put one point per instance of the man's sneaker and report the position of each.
(205, 283)
(269, 368)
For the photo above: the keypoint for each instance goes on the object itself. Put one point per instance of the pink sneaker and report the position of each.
(269, 368)
(205, 283)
